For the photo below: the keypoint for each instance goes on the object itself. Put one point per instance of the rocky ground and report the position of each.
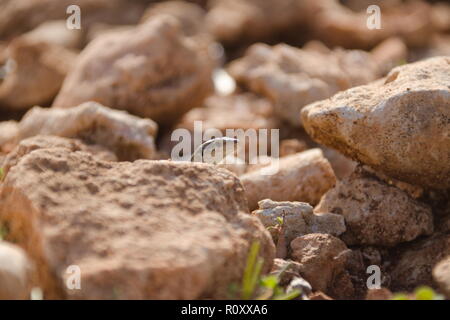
(88, 188)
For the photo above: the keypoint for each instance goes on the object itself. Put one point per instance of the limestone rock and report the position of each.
(376, 213)
(141, 230)
(292, 78)
(152, 71)
(33, 72)
(321, 258)
(55, 32)
(441, 274)
(298, 219)
(129, 137)
(15, 271)
(413, 264)
(398, 126)
(304, 177)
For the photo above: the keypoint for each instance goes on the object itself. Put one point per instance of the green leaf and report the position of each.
(424, 293)
(269, 282)
(400, 296)
(280, 220)
(288, 296)
(251, 273)
(2, 173)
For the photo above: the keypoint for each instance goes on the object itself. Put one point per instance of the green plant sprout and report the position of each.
(421, 293)
(256, 286)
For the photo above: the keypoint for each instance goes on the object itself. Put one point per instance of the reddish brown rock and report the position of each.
(177, 76)
(376, 213)
(298, 219)
(336, 25)
(142, 230)
(49, 142)
(304, 177)
(237, 21)
(18, 16)
(33, 73)
(292, 78)
(413, 264)
(398, 126)
(129, 137)
(321, 257)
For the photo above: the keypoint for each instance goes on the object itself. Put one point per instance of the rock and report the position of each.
(240, 111)
(412, 265)
(441, 274)
(236, 21)
(152, 71)
(376, 213)
(292, 146)
(121, 223)
(48, 64)
(190, 15)
(15, 271)
(292, 78)
(298, 219)
(304, 177)
(28, 145)
(390, 53)
(129, 137)
(8, 133)
(342, 166)
(285, 270)
(379, 294)
(19, 16)
(321, 258)
(337, 25)
(55, 32)
(398, 126)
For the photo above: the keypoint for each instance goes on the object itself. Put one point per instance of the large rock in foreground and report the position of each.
(142, 230)
(399, 126)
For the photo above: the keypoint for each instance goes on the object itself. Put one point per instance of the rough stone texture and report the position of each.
(18, 16)
(130, 248)
(15, 271)
(441, 274)
(304, 176)
(321, 258)
(292, 78)
(337, 25)
(8, 133)
(152, 71)
(35, 73)
(128, 136)
(398, 126)
(237, 21)
(413, 264)
(298, 219)
(28, 145)
(376, 213)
